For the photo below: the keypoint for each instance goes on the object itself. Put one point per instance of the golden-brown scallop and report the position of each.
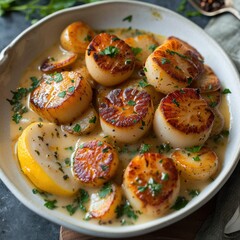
(51, 65)
(126, 115)
(218, 123)
(85, 124)
(208, 81)
(145, 44)
(61, 97)
(212, 98)
(174, 64)
(76, 37)
(104, 203)
(151, 183)
(195, 165)
(109, 59)
(183, 118)
(94, 163)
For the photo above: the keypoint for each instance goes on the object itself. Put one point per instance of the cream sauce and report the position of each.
(68, 141)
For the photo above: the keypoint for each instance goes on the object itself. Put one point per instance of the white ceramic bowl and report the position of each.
(102, 15)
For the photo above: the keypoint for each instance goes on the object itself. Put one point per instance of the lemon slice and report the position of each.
(39, 158)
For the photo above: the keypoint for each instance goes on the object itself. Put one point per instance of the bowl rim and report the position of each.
(139, 228)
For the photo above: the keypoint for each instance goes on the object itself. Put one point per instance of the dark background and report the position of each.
(17, 221)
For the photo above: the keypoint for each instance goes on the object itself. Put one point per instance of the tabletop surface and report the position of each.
(17, 221)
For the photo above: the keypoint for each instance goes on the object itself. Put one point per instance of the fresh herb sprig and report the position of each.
(34, 8)
(16, 102)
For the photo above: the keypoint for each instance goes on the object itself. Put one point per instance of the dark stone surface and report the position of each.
(17, 221)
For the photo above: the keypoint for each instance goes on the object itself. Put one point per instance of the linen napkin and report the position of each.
(225, 29)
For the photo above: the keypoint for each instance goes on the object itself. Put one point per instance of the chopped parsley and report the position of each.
(88, 38)
(136, 50)
(78, 202)
(196, 159)
(110, 51)
(128, 61)
(181, 202)
(62, 94)
(16, 102)
(154, 187)
(171, 52)
(128, 18)
(93, 119)
(175, 102)
(126, 209)
(165, 176)
(165, 60)
(50, 204)
(105, 190)
(104, 167)
(152, 47)
(131, 103)
(143, 83)
(194, 149)
(77, 128)
(56, 77)
(193, 193)
(71, 89)
(144, 148)
(226, 91)
(164, 148)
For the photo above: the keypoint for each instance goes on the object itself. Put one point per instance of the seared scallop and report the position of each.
(144, 45)
(104, 203)
(126, 115)
(183, 118)
(109, 59)
(85, 124)
(52, 65)
(174, 64)
(94, 163)
(151, 183)
(208, 81)
(61, 97)
(76, 37)
(195, 164)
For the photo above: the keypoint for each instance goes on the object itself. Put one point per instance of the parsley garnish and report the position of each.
(50, 204)
(16, 102)
(171, 52)
(193, 193)
(136, 50)
(164, 148)
(105, 190)
(78, 202)
(165, 176)
(104, 167)
(62, 94)
(144, 148)
(143, 83)
(165, 60)
(126, 209)
(194, 149)
(226, 91)
(77, 128)
(110, 51)
(152, 47)
(181, 202)
(128, 18)
(71, 89)
(131, 103)
(197, 158)
(93, 119)
(176, 102)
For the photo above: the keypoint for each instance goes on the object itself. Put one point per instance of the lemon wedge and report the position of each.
(39, 153)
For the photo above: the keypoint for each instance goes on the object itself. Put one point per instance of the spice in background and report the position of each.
(211, 5)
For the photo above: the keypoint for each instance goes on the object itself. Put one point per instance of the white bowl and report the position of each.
(102, 15)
